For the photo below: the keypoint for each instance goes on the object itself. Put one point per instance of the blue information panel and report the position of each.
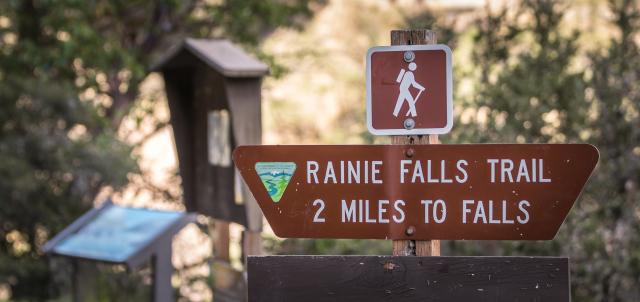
(117, 233)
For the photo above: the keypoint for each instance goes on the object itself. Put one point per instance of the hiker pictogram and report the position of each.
(407, 80)
(409, 90)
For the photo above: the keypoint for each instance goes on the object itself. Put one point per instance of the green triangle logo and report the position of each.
(275, 177)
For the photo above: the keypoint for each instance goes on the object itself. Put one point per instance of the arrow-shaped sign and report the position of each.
(480, 192)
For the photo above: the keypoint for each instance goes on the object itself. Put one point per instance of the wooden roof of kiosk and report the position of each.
(221, 55)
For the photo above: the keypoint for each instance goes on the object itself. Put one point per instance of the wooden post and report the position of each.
(219, 232)
(413, 247)
(84, 280)
(162, 271)
(252, 244)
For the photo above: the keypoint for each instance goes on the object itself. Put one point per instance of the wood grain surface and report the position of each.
(398, 278)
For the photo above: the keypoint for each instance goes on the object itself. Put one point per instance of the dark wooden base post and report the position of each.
(162, 272)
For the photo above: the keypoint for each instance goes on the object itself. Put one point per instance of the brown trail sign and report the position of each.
(414, 194)
(417, 192)
(409, 90)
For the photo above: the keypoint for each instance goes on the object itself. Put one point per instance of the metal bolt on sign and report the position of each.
(409, 124)
(410, 152)
(409, 56)
(411, 230)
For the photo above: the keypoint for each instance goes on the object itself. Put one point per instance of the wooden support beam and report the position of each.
(412, 247)
(393, 278)
(219, 232)
(162, 271)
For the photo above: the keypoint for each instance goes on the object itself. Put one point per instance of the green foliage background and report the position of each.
(556, 91)
(70, 72)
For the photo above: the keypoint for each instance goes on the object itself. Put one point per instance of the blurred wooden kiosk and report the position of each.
(214, 93)
(413, 247)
